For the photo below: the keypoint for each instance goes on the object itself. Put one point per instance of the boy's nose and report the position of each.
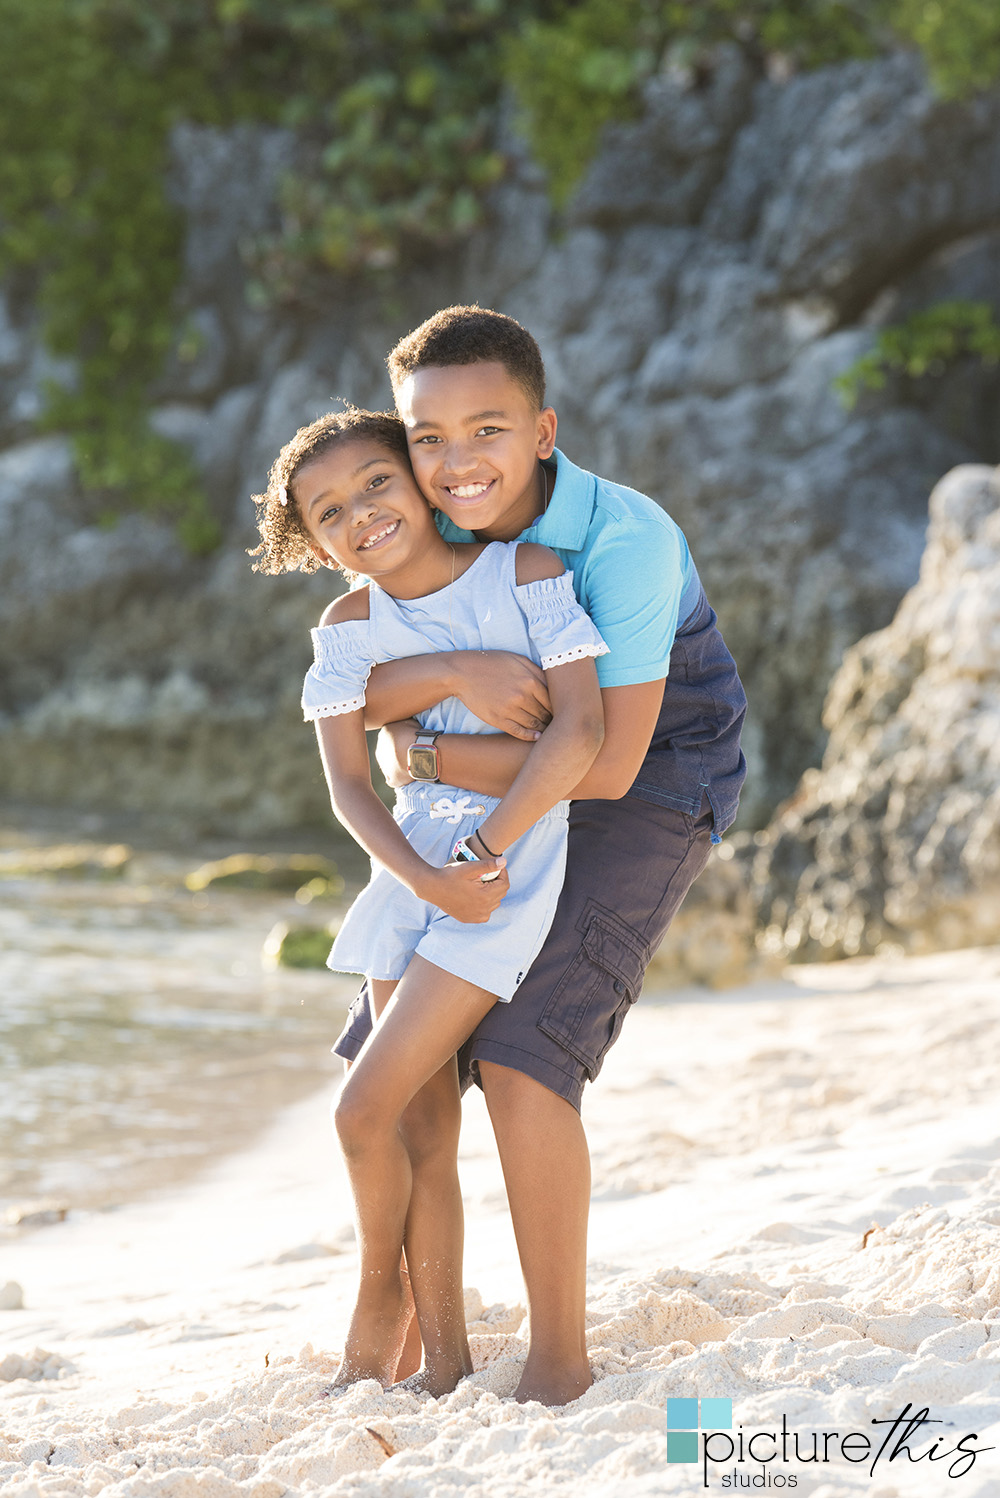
(459, 461)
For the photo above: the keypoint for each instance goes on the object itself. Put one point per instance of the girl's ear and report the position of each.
(324, 558)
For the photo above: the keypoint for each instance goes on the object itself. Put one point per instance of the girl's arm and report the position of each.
(569, 745)
(457, 889)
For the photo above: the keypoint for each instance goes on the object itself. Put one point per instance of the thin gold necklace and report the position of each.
(451, 589)
(545, 489)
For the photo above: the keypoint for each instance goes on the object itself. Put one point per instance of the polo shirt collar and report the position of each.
(567, 520)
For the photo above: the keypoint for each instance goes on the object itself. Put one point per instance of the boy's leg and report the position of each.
(629, 866)
(428, 1015)
(546, 1168)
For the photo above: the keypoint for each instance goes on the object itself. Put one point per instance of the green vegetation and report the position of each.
(395, 105)
(925, 343)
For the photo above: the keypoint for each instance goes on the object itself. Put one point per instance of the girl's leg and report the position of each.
(427, 1017)
(435, 1231)
(430, 1128)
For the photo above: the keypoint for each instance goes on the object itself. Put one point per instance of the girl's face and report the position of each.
(363, 511)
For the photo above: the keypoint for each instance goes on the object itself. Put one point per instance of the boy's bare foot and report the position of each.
(552, 1385)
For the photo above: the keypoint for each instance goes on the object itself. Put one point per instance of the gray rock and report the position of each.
(662, 168)
(225, 182)
(727, 256)
(895, 842)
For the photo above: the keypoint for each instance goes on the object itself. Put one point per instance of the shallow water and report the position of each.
(140, 1033)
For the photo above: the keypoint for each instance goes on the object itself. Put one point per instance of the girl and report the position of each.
(463, 886)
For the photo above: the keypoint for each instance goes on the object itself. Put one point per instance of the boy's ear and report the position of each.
(547, 423)
(324, 558)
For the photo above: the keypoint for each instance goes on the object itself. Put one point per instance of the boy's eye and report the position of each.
(487, 431)
(424, 441)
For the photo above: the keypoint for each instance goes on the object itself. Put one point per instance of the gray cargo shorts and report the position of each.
(629, 865)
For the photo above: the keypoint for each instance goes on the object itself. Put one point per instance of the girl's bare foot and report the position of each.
(375, 1337)
(413, 1351)
(433, 1381)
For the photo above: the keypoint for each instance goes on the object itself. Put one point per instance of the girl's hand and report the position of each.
(459, 891)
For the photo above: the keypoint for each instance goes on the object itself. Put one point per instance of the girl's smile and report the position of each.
(364, 514)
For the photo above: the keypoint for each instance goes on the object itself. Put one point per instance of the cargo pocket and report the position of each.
(588, 1006)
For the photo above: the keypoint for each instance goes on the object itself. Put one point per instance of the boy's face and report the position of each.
(475, 441)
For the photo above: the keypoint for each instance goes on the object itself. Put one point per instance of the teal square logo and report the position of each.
(682, 1414)
(682, 1445)
(716, 1414)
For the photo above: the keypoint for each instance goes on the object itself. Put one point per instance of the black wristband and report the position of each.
(488, 850)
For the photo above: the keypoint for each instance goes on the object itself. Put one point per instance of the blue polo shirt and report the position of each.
(633, 573)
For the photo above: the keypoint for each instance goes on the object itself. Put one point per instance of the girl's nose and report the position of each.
(364, 509)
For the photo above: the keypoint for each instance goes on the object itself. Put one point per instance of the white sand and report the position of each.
(743, 1144)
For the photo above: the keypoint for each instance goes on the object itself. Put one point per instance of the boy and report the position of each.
(470, 386)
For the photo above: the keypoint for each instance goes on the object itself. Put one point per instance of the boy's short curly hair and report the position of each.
(284, 540)
(471, 335)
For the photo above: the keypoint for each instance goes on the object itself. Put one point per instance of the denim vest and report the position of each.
(695, 748)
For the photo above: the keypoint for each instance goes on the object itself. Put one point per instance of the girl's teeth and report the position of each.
(377, 537)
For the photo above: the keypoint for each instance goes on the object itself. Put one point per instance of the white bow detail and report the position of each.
(453, 811)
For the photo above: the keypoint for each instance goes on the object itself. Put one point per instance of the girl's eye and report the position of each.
(377, 481)
(329, 513)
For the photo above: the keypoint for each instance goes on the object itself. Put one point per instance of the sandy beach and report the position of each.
(796, 1208)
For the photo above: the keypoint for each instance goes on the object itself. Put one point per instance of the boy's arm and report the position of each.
(505, 690)
(556, 762)
(567, 748)
(488, 763)
(456, 889)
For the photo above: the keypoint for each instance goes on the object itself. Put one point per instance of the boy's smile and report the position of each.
(475, 443)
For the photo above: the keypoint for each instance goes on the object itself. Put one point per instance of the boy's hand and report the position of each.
(459, 891)
(506, 690)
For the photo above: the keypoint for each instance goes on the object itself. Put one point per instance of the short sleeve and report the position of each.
(559, 628)
(335, 682)
(634, 581)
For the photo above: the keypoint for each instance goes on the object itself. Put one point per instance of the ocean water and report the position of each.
(141, 1034)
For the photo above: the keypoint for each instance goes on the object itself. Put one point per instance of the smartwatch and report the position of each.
(462, 853)
(422, 759)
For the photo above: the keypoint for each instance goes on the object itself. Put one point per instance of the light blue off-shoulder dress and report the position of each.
(484, 609)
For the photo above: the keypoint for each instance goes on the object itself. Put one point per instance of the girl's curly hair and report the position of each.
(284, 540)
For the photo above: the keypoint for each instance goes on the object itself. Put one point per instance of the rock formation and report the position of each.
(726, 257)
(895, 842)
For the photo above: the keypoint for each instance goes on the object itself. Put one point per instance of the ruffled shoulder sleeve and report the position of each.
(343, 658)
(560, 629)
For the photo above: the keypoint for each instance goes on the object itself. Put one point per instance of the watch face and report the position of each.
(422, 760)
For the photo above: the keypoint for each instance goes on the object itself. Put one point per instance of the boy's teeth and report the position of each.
(468, 491)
